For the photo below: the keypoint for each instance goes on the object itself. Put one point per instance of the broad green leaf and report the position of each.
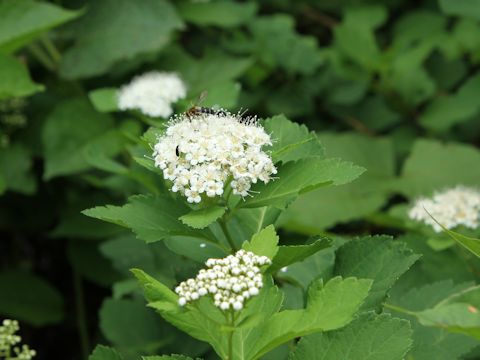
(431, 343)
(463, 8)
(68, 130)
(113, 31)
(214, 69)
(470, 243)
(130, 325)
(200, 219)
(167, 357)
(154, 290)
(195, 248)
(15, 169)
(104, 99)
(287, 255)
(104, 353)
(223, 95)
(444, 112)
(305, 175)
(23, 20)
(432, 166)
(329, 307)
(278, 44)
(291, 141)
(14, 78)
(264, 243)
(244, 223)
(325, 207)
(151, 218)
(223, 14)
(370, 337)
(378, 258)
(355, 37)
(458, 313)
(317, 266)
(17, 300)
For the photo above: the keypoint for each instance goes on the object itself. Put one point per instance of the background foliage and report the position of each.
(392, 86)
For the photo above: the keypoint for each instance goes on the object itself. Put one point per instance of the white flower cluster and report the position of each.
(231, 280)
(452, 207)
(8, 340)
(152, 93)
(201, 153)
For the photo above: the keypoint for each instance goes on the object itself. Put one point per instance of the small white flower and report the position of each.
(452, 207)
(224, 279)
(201, 153)
(152, 93)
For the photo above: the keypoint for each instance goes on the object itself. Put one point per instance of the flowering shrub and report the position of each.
(137, 213)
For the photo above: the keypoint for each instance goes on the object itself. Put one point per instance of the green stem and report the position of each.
(399, 309)
(81, 316)
(51, 49)
(224, 227)
(40, 55)
(230, 336)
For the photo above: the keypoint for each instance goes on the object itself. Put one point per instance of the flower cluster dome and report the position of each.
(9, 341)
(231, 280)
(152, 93)
(452, 207)
(200, 154)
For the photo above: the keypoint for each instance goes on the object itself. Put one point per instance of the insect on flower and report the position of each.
(195, 109)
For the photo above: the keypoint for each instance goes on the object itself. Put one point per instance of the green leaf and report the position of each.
(287, 255)
(113, 31)
(23, 20)
(433, 165)
(463, 8)
(278, 44)
(14, 79)
(104, 353)
(291, 141)
(329, 307)
(15, 169)
(355, 37)
(214, 69)
(167, 357)
(154, 290)
(470, 243)
(378, 258)
(104, 99)
(446, 111)
(78, 122)
(264, 243)
(433, 343)
(223, 14)
(304, 175)
(151, 218)
(129, 324)
(17, 302)
(200, 219)
(370, 337)
(325, 207)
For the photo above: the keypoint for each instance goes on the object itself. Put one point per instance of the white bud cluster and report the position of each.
(200, 153)
(152, 93)
(9, 338)
(452, 207)
(231, 280)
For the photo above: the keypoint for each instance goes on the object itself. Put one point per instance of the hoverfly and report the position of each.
(195, 109)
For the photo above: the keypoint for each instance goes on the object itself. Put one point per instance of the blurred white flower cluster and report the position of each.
(9, 340)
(452, 207)
(152, 93)
(201, 153)
(231, 280)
